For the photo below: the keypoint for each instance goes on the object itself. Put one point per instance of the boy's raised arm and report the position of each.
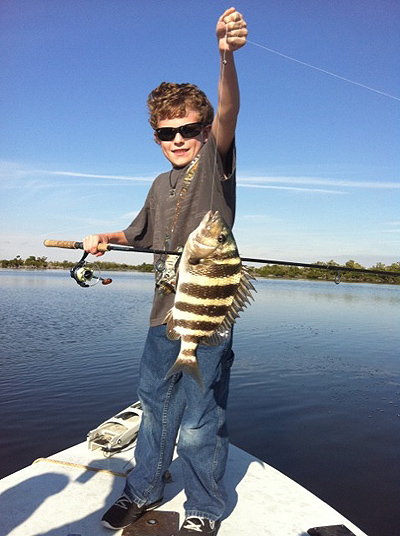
(231, 34)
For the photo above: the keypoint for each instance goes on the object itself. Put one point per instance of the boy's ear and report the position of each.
(206, 132)
(156, 139)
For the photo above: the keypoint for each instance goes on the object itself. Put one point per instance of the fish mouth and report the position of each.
(211, 217)
(210, 220)
(200, 248)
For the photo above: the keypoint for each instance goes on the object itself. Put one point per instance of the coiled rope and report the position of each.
(81, 466)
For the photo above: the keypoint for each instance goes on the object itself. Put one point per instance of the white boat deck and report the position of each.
(61, 496)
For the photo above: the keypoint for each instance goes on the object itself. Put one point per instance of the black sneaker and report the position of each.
(124, 512)
(199, 525)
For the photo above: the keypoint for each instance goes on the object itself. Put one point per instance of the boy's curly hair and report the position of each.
(170, 100)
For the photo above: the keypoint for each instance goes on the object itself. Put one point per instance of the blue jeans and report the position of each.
(200, 414)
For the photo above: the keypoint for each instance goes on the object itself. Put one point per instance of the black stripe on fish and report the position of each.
(200, 309)
(197, 325)
(215, 292)
(188, 352)
(218, 270)
(191, 338)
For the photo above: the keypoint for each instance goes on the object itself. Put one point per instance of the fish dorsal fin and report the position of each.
(240, 301)
(171, 333)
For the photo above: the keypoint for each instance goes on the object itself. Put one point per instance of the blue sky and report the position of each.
(318, 156)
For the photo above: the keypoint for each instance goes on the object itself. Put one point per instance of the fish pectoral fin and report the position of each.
(193, 261)
(171, 333)
(168, 317)
(188, 365)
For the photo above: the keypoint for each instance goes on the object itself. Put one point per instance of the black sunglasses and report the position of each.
(191, 130)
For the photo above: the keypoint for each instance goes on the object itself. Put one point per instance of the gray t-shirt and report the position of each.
(160, 226)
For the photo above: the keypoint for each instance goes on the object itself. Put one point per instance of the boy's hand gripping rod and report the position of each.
(113, 247)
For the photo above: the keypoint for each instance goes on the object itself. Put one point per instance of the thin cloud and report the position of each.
(256, 217)
(98, 176)
(394, 226)
(319, 181)
(15, 175)
(129, 216)
(292, 188)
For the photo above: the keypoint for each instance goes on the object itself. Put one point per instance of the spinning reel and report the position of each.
(86, 275)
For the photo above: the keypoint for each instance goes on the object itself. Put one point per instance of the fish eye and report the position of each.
(221, 238)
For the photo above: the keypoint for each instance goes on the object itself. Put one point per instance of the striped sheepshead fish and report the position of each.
(213, 287)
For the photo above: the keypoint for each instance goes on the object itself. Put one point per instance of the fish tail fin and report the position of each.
(188, 365)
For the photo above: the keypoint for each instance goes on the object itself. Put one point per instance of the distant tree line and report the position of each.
(269, 270)
(41, 263)
(321, 274)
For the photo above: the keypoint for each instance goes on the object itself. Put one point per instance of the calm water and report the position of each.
(315, 389)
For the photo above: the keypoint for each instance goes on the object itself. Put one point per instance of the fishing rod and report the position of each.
(81, 277)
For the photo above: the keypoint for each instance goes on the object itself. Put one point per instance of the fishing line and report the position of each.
(221, 85)
(324, 71)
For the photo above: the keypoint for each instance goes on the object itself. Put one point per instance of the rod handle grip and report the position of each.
(67, 244)
(70, 244)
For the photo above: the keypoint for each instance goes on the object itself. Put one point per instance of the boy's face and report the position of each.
(181, 151)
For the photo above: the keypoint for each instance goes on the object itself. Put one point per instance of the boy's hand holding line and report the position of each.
(231, 35)
(231, 31)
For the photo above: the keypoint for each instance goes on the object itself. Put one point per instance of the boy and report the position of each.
(202, 153)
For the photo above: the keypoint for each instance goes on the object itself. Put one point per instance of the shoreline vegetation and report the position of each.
(266, 271)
